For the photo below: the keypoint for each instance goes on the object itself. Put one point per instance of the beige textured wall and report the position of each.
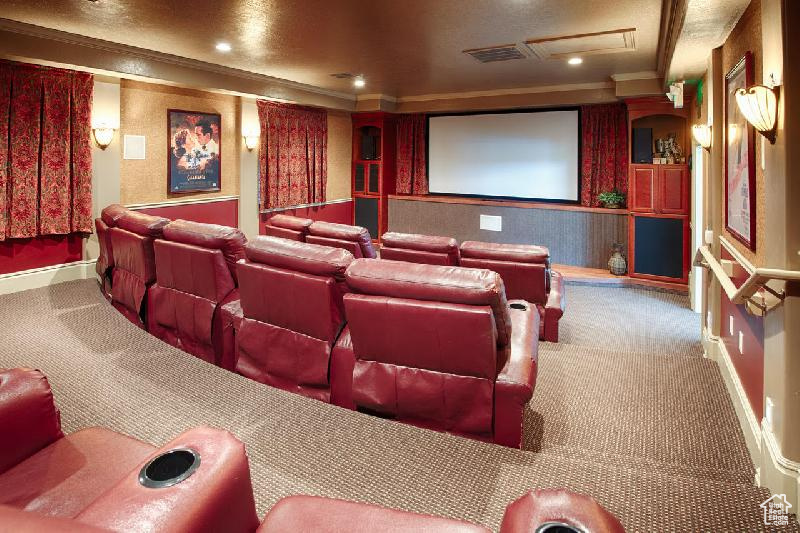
(340, 147)
(746, 36)
(143, 111)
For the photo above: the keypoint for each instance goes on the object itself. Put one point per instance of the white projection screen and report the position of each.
(529, 155)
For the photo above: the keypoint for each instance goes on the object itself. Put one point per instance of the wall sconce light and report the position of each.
(702, 134)
(251, 142)
(103, 135)
(759, 105)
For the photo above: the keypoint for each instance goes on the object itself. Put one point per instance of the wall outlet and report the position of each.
(709, 236)
(730, 325)
(491, 223)
(741, 343)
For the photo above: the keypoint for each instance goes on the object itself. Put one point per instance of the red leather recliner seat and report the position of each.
(105, 259)
(291, 298)
(89, 480)
(562, 510)
(526, 273)
(134, 262)
(438, 347)
(196, 274)
(354, 239)
(413, 248)
(287, 227)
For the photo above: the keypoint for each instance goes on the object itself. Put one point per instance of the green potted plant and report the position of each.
(611, 199)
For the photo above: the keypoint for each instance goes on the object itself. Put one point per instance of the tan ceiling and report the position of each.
(402, 47)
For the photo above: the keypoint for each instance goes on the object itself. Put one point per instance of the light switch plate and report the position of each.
(491, 223)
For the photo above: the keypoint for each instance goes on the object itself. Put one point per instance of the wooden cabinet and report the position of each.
(659, 189)
(373, 178)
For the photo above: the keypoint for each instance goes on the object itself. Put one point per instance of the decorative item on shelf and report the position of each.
(617, 264)
(759, 105)
(611, 199)
(702, 134)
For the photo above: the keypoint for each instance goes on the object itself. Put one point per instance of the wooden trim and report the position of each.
(301, 206)
(183, 201)
(506, 203)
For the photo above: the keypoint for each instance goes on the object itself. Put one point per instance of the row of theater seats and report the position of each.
(430, 345)
(525, 269)
(98, 480)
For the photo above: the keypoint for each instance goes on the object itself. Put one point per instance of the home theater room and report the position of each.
(519, 266)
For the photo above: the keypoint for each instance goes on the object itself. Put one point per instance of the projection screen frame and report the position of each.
(506, 112)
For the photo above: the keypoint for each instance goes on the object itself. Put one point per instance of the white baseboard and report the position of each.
(773, 471)
(42, 277)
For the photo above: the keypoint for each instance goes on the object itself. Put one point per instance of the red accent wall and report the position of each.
(340, 212)
(38, 252)
(749, 364)
(224, 212)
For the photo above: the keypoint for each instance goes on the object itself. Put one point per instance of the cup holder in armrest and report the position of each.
(169, 468)
(557, 527)
(521, 307)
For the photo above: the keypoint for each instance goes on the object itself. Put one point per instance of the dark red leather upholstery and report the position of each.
(29, 420)
(354, 239)
(195, 266)
(88, 480)
(539, 507)
(414, 248)
(526, 273)
(105, 260)
(312, 513)
(438, 347)
(134, 262)
(291, 299)
(287, 227)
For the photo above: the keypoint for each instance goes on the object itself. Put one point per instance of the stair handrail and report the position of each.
(758, 279)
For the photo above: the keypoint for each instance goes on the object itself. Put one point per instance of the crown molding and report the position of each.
(505, 92)
(59, 36)
(376, 96)
(628, 76)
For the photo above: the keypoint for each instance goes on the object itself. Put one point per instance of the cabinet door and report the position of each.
(674, 193)
(643, 181)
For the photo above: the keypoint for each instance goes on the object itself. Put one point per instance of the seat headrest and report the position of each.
(230, 241)
(422, 243)
(343, 232)
(434, 283)
(290, 222)
(520, 253)
(299, 256)
(142, 224)
(112, 213)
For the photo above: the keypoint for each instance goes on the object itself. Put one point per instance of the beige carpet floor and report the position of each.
(626, 410)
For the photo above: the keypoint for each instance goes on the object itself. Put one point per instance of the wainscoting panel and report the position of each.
(578, 238)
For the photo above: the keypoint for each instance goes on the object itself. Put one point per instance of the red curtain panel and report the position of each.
(604, 151)
(45, 151)
(293, 158)
(411, 174)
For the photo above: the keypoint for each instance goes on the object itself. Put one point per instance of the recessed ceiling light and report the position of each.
(575, 61)
(359, 82)
(223, 47)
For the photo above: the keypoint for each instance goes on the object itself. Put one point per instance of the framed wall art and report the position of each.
(194, 151)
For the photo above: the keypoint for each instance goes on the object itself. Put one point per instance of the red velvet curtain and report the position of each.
(45, 151)
(293, 159)
(604, 151)
(411, 172)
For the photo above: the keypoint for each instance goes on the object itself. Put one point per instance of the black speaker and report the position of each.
(659, 246)
(643, 145)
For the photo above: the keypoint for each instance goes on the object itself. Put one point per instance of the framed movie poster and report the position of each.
(740, 168)
(195, 151)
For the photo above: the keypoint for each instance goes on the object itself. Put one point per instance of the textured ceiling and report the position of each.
(402, 47)
(707, 25)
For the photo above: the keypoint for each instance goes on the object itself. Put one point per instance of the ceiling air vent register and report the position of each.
(492, 54)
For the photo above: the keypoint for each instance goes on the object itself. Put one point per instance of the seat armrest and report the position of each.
(28, 416)
(516, 381)
(218, 496)
(556, 305)
(343, 361)
(13, 520)
(231, 316)
(579, 512)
